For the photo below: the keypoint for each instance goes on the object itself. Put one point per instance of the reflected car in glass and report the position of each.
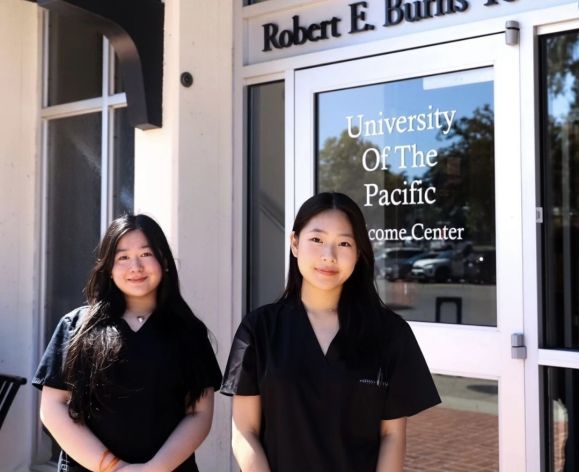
(392, 257)
(401, 269)
(433, 269)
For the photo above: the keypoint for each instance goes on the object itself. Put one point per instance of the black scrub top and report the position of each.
(149, 385)
(318, 412)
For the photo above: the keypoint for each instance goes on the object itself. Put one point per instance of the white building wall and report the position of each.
(205, 189)
(19, 78)
(184, 175)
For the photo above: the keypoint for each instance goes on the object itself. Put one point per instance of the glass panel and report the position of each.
(266, 215)
(418, 157)
(75, 56)
(123, 164)
(560, 174)
(118, 84)
(562, 419)
(73, 211)
(462, 433)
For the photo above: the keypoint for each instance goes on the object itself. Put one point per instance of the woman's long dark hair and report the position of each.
(360, 306)
(97, 342)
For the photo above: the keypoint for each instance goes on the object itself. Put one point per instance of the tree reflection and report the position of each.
(463, 177)
(563, 57)
(340, 170)
(560, 175)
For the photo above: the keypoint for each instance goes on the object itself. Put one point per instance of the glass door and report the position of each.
(427, 142)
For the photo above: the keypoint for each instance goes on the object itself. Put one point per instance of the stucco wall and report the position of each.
(18, 173)
(205, 188)
(184, 178)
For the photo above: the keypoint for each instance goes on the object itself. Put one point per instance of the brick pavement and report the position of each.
(447, 440)
(560, 432)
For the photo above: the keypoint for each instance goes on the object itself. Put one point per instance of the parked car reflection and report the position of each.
(468, 264)
(391, 257)
(433, 269)
(401, 268)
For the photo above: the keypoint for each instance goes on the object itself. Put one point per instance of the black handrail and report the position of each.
(9, 385)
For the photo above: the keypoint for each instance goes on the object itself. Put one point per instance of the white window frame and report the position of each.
(105, 104)
(537, 24)
(557, 357)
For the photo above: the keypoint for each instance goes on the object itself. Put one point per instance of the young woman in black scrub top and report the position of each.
(127, 381)
(323, 379)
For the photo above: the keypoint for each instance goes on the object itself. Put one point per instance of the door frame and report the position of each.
(489, 347)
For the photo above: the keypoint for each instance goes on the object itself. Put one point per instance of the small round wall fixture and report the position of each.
(186, 79)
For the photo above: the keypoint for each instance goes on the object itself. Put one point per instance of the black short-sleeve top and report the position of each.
(150, 380)
(318, 412)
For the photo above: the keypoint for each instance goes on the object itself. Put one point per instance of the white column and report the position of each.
(19, 83)
(184, 178)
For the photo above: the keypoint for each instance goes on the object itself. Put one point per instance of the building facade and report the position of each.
(453, 123)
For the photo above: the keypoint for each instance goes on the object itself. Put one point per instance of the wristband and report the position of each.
(111, 465)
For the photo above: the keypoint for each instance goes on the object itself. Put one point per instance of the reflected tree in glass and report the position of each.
(560, 146)
(375, 159)
(339, 164)
(465, 173)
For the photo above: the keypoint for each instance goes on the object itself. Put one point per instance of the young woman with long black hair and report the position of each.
(323, 379)
(127, 381)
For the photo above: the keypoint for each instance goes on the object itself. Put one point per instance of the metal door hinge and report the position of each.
(539, 214)
(518, 348)
(512, 31)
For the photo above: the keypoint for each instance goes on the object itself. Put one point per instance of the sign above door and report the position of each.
(274, 33)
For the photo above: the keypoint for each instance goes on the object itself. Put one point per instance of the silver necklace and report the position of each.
(140, 318)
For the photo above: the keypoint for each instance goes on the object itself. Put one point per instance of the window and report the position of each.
(560, 245)
(88, 159)
(266, 198)
(560, 423)
(560, 54)
(417, 155)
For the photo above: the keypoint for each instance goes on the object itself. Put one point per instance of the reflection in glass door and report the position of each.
(424, 141)
(459, 434)
(417, 155)
(559, 54)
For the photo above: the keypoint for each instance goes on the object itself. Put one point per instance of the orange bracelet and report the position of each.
(103, 457)
(111, 465)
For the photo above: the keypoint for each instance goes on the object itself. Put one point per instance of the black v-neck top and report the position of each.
(318, 412)
(146, 400)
